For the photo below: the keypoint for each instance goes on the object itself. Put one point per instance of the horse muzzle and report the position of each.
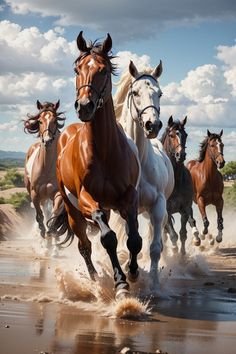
(180, 157)
(152, 129)
(220, 164)
(85, 112)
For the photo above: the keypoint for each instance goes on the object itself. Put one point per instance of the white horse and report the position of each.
(137, 107)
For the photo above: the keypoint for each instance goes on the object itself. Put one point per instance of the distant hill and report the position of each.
(12, 155)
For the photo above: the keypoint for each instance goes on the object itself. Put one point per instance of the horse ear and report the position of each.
(133, 70)
(81, 43)
(184, 121)
(170, 121)
(221, 133)
(56, 105)
(107, 44)
(39, 105)
(158, 70)
(208, 133)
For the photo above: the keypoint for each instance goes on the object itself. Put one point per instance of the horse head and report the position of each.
(177, 137)
(46, 123)
(93, 76)
(215, 148)
(144, 99)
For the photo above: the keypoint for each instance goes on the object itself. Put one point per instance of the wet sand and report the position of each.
(194, 311)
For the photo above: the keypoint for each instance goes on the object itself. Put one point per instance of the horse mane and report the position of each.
(122, 90)
(95, 48)
(31, 124)
(203, 146)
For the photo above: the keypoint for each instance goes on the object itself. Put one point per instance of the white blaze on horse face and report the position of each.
(91, 62)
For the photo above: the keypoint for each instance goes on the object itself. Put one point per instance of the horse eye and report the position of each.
(161, 94)
(40, 122)
(135, 93)
(76, 71)
(103, 71)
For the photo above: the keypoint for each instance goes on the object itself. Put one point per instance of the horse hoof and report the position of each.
(175, 249)
(197, 242)
(122, 294)
(133, 277)
(219, 239)
(212, 242)
(203, 236)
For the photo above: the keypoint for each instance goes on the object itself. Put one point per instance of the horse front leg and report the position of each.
(202, 208)
(129, 212)
(39, 214)
(169, 229)
(183, 232)
(109, 242)
(195, 232)
(220, 226)
(158, 216)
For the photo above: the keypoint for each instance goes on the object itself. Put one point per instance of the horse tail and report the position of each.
(58, 225)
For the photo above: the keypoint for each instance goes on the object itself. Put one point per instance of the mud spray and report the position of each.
(72, 285)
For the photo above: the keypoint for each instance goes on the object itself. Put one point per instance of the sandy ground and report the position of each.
(53, 305)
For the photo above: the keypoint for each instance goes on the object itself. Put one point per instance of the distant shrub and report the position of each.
(2, 200)
(230, 196)
(12, 178)
(20, 201)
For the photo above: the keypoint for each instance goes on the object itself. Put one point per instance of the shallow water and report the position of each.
(41, 312)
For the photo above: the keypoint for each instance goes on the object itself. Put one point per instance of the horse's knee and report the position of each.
(109, 240)
(134, 243)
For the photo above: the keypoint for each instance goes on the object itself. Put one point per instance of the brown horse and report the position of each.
(40, 163)
(181, 199)
(207, 180)
(98, 169)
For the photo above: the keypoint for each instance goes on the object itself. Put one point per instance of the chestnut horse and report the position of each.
(207, 180)
(40, 163)
(181, 199)
(98, 167)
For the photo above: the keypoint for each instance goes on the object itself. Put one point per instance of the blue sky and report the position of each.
(194, 39)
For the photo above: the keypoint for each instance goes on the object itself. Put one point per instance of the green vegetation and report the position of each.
(12, 179)
(229, 169)
(20, 201)
(230, 196)
(10, 163)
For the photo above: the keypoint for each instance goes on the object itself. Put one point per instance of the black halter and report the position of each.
(53, 134)
(131, 101)
(100, 95)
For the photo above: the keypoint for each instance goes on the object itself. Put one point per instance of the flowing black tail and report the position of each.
(58, 225)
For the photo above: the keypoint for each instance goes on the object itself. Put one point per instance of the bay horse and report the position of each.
(207, 180)
(98, 167)
(40, 163)
(181, 200)
(137, 108)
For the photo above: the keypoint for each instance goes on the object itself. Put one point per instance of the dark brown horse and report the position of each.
(181, 199)
(207, 180)
(40, 163)
(98, 169)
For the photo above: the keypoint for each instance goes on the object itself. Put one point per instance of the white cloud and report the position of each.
(142, 19)
(9, 126)
(30, 50)
(123, 59)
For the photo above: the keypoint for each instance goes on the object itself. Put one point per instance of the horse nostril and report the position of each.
(149, 125)
(76, 105)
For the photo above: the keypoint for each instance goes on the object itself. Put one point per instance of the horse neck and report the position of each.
(136, 133)
(208, 164)
(102, 132)
(47, 156)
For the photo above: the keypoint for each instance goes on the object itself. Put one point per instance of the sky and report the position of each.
(194, 39)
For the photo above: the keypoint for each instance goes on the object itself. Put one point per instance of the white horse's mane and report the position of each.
(122, 90)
